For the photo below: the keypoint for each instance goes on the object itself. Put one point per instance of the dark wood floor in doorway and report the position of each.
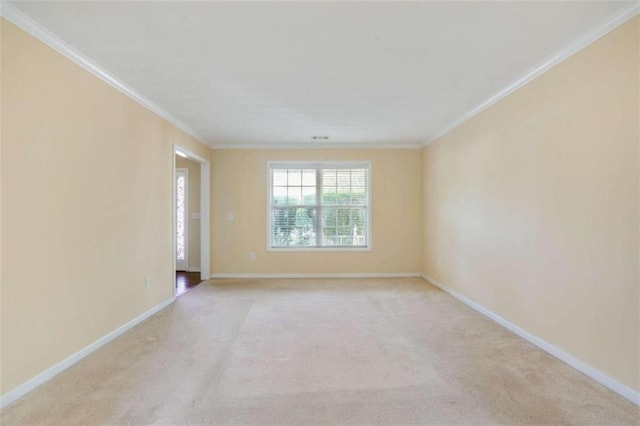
(185, 281)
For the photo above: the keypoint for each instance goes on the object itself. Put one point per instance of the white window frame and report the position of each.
(317, 165)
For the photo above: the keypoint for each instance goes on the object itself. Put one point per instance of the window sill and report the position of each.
(317, 249)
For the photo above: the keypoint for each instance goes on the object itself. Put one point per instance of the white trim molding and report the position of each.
(14, 15)
(319, 145)
(37, 30)
(26, 387)
(320, 275)
(600, 377)
(572, 48)
(205, 210)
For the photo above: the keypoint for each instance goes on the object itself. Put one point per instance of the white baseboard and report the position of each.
(607, 381)
(193, 269)
(335, 275)
(58, 368)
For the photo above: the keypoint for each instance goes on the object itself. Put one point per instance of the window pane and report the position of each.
(329, 216)
(329, 178)
(329, 195)
(343, 217)
(279, 177)
(309, 177)
(359, 219)
(180, 218)
(293, 227)
(358, 195)
(283, 218)
(345, 231)
(358, 177)
(294, 195)
(344, 180)
(295, 177)
(328, 236)
(279, 195)
(342, 237)
(344, 187)
(359, 225)
(309, 196)
(344, 226)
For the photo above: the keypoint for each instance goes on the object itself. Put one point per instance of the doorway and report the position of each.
(190, 220)
(185, 281)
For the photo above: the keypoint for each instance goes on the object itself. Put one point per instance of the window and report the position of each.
(319, 205)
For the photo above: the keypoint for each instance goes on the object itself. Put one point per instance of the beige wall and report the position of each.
(86, 197)
(194, 207)
(239, 186)
(531, 207)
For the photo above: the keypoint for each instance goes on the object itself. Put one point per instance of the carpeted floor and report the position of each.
(383, 351)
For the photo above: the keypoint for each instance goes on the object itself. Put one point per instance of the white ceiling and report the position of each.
(279, 73)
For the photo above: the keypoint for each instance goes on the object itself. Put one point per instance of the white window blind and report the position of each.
(319, 205)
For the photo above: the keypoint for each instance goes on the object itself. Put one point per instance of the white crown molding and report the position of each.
(58, 368)
(600, 377)
(320, 146)
(18, 18)
(336, 275)
(574, 47)
(32, 27)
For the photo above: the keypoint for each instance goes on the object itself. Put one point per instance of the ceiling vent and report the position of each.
(320, 138)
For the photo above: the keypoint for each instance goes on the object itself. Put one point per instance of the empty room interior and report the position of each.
(320, 212)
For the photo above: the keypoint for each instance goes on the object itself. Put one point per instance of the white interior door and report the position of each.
(182, 222)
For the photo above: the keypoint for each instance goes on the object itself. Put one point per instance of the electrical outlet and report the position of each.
(230, 217)
(147, 281)
(252, 256)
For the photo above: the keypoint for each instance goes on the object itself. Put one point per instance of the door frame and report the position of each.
(205, 206)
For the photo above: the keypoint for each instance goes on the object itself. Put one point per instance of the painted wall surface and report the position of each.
(531, 207)
(239, 186)
(83, 167)
(194, 207)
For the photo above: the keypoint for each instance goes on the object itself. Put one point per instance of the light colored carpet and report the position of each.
(383, 351)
